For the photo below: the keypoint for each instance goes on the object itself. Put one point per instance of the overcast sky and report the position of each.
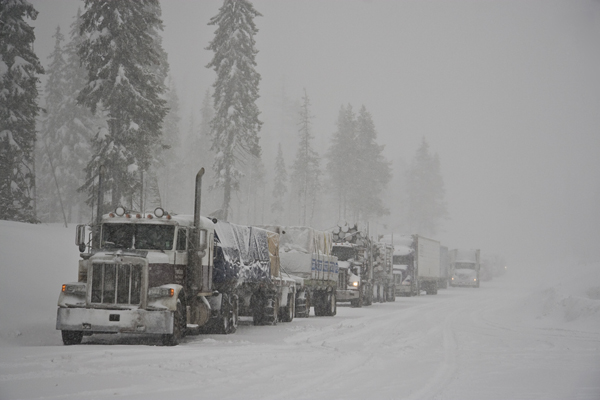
(506, 92)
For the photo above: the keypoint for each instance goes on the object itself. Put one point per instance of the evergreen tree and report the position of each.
(341, 165)
(126, 66)
(66, 134)
(170, 164)
(235, 125)
(425, 192)
(306, 171)
(279, 188)
(19, 67)
(373, 171)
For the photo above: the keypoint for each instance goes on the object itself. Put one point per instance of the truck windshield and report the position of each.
(464, 265)
(138, 236)
(343, 253)
(401, 260)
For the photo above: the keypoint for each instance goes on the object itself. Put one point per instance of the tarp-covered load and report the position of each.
(306, 252)
(249, 254)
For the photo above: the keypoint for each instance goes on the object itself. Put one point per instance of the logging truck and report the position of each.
(354, 251)
(164, 275)
(306, 253)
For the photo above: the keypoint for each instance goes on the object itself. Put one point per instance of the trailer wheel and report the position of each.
(332, 304)
(179, 326)
(302, 305)
(287, 312)
(234, 314)
(271, 311)
(71, 337)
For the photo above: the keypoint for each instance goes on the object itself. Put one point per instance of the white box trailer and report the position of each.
(416, 263)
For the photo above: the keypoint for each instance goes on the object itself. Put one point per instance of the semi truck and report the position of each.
(416, 264)
(354, 250)
(165, 275)
(306, 253)
(465, 267)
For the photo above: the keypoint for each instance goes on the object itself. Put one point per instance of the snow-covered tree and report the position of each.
(235, 125)
(372, 170)
(126, 68)
(425, 192)
(306, 170)
(19, 67)
(279, 188)
(341, 165)
(66, 133)
(170, 163)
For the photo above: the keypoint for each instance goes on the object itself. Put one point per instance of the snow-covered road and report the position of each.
(506, 340)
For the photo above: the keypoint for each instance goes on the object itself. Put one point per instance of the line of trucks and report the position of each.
(169, 275)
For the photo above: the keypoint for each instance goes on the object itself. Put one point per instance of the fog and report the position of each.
(506, 92)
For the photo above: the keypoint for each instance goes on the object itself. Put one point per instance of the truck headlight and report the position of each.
(161, 292)
(354, 283)
(75, 289)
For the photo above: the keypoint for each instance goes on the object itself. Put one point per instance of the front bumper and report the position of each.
(346, 295)
(95, 320)
(463, 282)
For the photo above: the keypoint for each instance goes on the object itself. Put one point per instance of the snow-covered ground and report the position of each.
(531, 334)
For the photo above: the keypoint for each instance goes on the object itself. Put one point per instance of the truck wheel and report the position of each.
(179, 326)
(71, 337)
(332, 304)
(318, 304)
(234, 314)
(302, 305)
(271, 311)
(287, 312)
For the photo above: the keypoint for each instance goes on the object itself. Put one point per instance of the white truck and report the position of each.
(465, 266)
(305, 253)
(164, 275)
(416, 264)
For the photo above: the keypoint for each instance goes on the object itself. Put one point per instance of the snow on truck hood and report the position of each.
(153, 257)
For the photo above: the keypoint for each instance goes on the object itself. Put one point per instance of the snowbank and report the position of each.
(35, 260)
(566, 296)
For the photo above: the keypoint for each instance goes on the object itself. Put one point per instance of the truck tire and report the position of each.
(319, 300)
(179, 326)
(357, 303)
(71, 337)
(392, 296)
(286, 314)
(302, 304)
(227, 321)
(331, 304)
(271, 311)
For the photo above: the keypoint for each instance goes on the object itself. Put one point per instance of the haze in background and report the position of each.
(506, 92)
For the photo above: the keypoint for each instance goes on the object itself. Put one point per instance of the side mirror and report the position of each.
(80, 238)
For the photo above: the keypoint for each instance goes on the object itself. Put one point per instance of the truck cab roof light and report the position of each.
(112, 215)
(138, 216)
(149, 216)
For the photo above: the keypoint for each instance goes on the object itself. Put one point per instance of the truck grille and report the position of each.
(116, 283)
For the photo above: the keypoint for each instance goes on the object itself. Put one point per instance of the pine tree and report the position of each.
(425, 192)
(279, 187)
(341, 166)
(373, 171)
(306, 171)
(170, 164)
(235, 125)
(66, 134)
(19, 67)
(126, 68)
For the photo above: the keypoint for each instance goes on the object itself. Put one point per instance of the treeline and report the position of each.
(109, 100)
